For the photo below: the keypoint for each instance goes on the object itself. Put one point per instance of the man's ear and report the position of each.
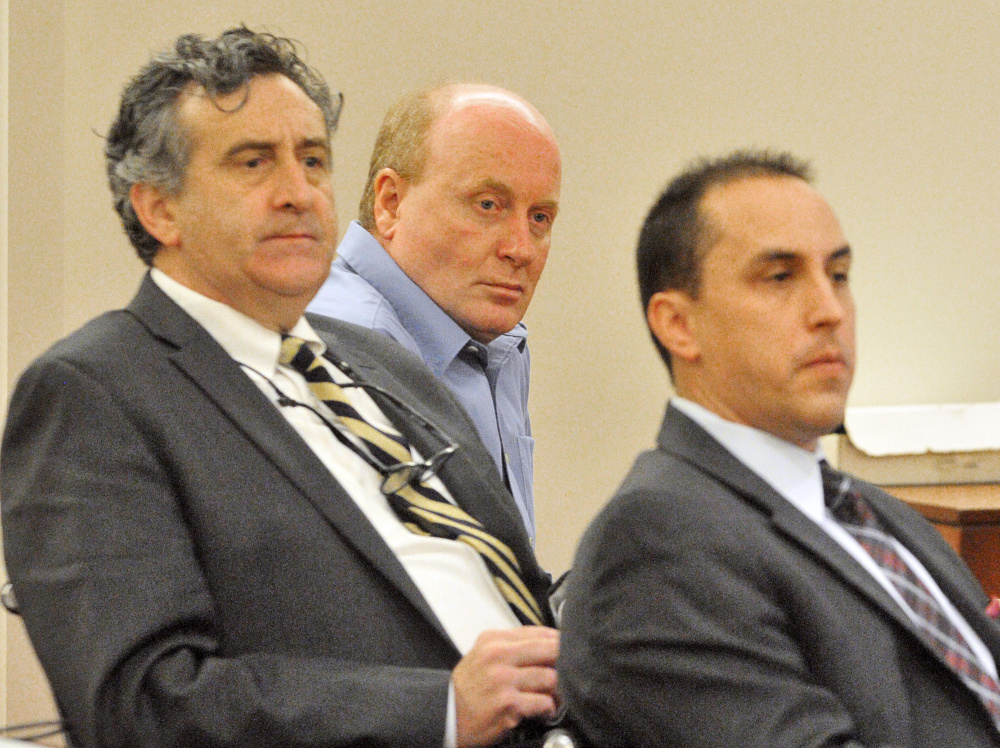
(389, 190)
(669, 315)
(155, 210)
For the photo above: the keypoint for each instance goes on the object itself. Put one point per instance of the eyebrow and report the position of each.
(269, 145)
(552, 205)
(495, 186)
(778, 255)
(492, 185)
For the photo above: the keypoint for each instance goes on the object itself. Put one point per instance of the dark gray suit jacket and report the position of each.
(191, 574)
(705, 610)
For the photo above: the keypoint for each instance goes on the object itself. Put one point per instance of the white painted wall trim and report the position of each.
(4, 46)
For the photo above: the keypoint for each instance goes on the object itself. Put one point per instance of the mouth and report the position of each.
(293, 240)
(507, 286)
(504, 293)
(291, 235)
(830, 361)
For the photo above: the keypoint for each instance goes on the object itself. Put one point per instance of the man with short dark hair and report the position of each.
(454, 231)
(228, 525)
(737, 590)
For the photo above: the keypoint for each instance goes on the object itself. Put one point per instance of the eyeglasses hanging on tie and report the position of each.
(396, 475)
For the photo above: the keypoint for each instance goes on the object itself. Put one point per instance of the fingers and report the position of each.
(523, 646)
(536, 680)
(506, 677)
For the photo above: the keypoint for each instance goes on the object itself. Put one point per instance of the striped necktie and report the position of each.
(421, 509)
(940, 635)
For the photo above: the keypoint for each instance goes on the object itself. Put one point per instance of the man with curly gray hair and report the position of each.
(209, 500)
(146, 143)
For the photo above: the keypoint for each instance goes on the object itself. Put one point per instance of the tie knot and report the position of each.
(844, 502)
(836, 489)
(295, 353)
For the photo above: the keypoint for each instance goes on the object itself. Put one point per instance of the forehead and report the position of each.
(771, 213)
(485, 139)
(270, 108)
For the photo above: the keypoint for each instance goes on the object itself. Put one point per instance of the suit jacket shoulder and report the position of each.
(704, 609)
(189, 571)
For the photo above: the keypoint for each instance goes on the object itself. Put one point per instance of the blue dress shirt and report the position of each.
(368, 288)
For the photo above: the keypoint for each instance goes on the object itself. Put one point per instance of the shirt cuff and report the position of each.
(450, 721)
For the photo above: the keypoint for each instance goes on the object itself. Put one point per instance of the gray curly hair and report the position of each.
(147, 144)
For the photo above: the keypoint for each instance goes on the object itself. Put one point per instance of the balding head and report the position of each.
(463, 190)
(401, 144)
(473, 95)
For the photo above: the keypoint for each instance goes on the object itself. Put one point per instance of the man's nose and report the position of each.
(293, 189)
(519, 244)
(828, 301)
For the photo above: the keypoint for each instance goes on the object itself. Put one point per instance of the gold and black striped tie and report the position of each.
(420, 508)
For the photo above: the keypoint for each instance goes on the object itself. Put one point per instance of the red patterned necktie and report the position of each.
(420, 508)
(937, 631)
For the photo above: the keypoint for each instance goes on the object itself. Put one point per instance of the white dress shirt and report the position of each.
(794, 473)
(451, 576)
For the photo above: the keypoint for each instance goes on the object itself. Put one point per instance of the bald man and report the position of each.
(453, 233)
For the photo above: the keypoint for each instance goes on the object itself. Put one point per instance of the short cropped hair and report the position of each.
(677, 235)
(401, 144)
(147, 143)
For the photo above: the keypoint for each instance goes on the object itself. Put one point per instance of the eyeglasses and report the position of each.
(402, 474)
(395, 476)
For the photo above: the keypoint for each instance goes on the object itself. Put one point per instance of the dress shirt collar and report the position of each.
(243, 338)
(790, 470)
(438, 336)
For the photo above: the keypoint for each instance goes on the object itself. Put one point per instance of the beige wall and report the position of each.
(896, 101)
(3, 312)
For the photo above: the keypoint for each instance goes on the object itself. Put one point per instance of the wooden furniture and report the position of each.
(968, 516)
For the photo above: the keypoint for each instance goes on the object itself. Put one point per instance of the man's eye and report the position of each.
(315, 162)
(541, 218)
(488, 204)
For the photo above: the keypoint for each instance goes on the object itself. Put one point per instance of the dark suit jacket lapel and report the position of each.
(213, 371)
(683, 438)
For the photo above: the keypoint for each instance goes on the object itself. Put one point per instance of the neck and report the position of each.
(273, 311)
(806, 439)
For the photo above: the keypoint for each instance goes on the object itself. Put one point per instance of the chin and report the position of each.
(826, 423)
(298, 281)
(486, 329)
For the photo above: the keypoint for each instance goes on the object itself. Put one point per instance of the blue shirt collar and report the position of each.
(438, 336)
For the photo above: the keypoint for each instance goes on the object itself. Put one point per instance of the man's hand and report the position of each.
(506, 677)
